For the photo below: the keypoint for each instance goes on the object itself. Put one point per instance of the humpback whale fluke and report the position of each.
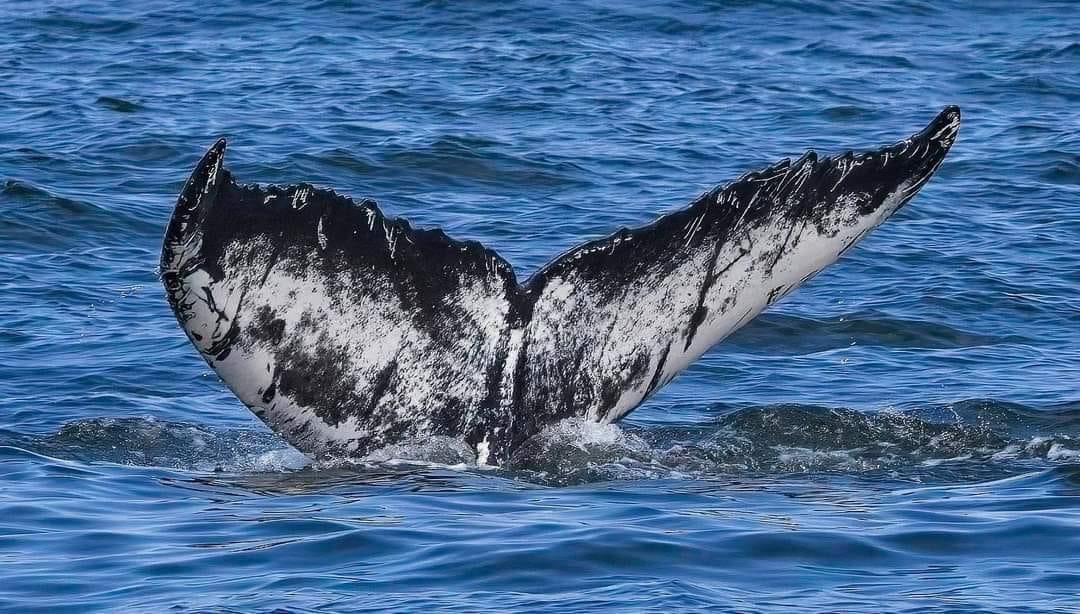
(346, 330)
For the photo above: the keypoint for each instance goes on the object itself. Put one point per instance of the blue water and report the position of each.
(902, 434)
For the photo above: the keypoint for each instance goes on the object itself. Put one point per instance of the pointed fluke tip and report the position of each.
(216, 151)
(207, 168)
(944, 127)
(210, 160)
(203, 180)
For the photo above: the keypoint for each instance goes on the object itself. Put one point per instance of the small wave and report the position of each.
(476, 159)
(57, 22)
(1063, 170)
(36, 217)
(777, 333)
(849, 112)
(825, 50)
(30, 193)
(1047, 51)
(174, 445)
(1046, 85)
(344, 159)
(118, 104)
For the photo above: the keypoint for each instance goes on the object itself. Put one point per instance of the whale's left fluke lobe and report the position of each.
(341, 328)
(346, 330)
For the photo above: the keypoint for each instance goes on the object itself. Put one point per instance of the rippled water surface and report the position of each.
(902, 434)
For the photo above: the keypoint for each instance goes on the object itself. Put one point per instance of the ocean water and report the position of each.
(900, 435)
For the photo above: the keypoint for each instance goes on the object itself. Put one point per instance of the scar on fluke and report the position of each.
(347, 330)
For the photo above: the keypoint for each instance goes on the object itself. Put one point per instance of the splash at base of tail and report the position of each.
(347, 331)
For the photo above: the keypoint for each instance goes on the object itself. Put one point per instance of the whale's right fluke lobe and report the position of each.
(617, 318)
(347, 330)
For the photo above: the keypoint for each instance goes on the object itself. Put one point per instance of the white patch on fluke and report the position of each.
(368, 328)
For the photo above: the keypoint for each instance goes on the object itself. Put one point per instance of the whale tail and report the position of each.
(346, 330)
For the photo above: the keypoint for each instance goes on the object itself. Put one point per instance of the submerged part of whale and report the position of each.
(346, 330)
